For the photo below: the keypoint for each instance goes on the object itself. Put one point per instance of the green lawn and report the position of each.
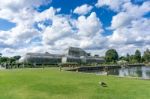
(50, 83)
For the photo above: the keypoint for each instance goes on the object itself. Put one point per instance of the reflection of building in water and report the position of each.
(71, 55)
(134, 71)
(143, 72)
(146, 72)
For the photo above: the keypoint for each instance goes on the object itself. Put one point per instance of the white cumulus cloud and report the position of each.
(131, 28)
(82, 10)
(112, 4)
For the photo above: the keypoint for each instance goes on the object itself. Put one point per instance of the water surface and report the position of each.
(141, 72)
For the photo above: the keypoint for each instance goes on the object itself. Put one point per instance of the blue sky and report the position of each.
(94, 25)
(104, 13)
(67, 6)
(6, 25)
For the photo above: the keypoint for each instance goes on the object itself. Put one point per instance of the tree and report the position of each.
(111, 55)
(122, 58)
(11, 60)
(132, 59)
(137, 56)
(146, 56)
(0, 54)
(127, 57)
(17, 57)
(4, 59)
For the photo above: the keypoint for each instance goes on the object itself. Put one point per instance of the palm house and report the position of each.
(70, 55)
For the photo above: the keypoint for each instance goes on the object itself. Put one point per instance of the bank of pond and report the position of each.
(133, 71)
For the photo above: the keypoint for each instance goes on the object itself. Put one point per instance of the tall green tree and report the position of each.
(127, 57)
(146, 55)
(137, 56)
(111, 55)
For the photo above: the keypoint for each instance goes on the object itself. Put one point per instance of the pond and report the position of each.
(141, 72)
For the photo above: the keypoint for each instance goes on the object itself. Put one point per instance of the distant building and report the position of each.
(78, 55)
(41, 58)
(71, 55)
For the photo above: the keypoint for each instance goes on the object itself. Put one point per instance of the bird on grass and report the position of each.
(103, 84)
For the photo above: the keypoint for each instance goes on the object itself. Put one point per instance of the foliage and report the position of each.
(17, 57)
(132, 59)
(111, 55)
(137, 56)
(146, 56)
(4, 59)
(127, 57)
(122, 58)
(9, 59)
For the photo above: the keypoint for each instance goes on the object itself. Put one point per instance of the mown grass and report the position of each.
(50, 83)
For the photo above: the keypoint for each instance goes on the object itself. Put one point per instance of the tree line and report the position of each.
(111, 56)
(9, 60)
